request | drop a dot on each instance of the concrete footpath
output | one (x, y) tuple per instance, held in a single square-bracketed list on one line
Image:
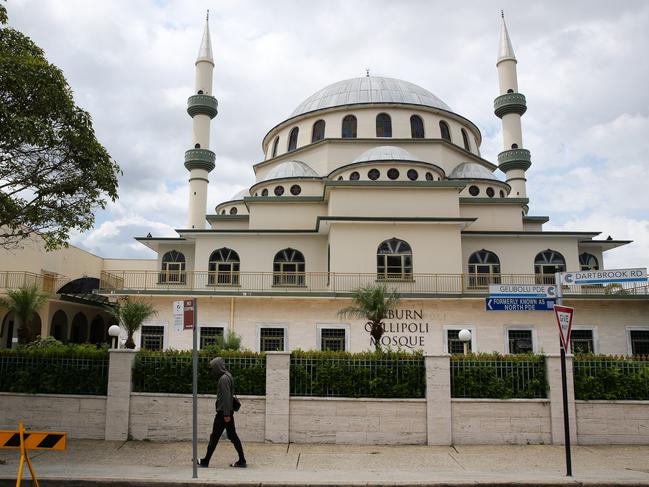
[(90, 462)]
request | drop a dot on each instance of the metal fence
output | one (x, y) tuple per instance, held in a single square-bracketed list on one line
[(498, 378), (171, 372), (611, 378), (53, 374), (390, 377)]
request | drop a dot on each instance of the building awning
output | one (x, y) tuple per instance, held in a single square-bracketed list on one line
[(83, 290)]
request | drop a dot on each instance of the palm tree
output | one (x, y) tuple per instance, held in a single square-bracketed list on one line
[(131, 315), (25, 303), (373, 304)]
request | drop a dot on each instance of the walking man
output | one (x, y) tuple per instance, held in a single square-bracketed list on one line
[(224, 418)]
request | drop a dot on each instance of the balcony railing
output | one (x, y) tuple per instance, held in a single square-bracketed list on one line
[(184, 282), (18, 279)]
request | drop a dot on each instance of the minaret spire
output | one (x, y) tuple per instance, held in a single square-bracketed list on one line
[(510, 106), (202, 107)]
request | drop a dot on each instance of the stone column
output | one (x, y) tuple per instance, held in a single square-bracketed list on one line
[(118, 399), (438, 400), (553, 368), (277, 396)]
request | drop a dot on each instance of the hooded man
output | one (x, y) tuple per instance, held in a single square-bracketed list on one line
[(224, 418)]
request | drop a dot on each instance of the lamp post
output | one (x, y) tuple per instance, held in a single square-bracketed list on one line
[(113, 332), (465, 337)]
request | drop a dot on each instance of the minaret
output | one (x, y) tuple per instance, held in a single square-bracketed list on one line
[(509, 106), (202, 107)]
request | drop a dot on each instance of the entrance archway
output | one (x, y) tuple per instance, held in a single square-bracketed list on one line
[(7, 331), (97, 330), (79, 329), (59, 326)]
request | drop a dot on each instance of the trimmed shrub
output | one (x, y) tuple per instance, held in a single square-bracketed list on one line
[(610, 378)]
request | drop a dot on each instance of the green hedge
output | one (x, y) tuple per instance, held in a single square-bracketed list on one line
[(56, 369), (343, 374), (498, 376), (610, 378), (171, 371)]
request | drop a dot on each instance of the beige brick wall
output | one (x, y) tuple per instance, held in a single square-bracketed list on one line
[(78, 416), (497, 422), (612, 422), (358, 421)]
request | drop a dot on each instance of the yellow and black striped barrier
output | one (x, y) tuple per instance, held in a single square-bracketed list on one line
[(32, 440)]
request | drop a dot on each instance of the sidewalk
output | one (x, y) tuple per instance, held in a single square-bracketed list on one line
[(94, 462)]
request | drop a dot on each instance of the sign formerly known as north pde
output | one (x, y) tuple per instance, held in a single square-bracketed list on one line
[(605, 276), (519, 304)]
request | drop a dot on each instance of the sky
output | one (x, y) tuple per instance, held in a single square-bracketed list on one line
[(582, 66)]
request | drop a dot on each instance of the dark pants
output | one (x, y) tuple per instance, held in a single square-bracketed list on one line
[(217, 430)]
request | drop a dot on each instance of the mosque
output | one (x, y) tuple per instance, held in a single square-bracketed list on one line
[(371, 180)]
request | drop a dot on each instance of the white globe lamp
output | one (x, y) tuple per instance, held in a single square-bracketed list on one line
[(465, 337), (113, 332)]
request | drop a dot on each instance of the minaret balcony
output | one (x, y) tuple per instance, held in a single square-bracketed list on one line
[(514, 159), (510, 103), (202, 104), (199, 159)]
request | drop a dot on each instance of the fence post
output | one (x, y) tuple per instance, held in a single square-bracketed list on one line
[(553, 371), (438, 400), (118, 398), (278, 366)]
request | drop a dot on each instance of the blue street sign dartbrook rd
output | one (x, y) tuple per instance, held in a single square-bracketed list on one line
[(519, 304)]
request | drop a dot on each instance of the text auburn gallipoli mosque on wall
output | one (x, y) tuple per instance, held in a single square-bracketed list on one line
[(369, 180)]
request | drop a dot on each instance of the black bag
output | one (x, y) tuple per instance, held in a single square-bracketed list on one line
[(236, 404)]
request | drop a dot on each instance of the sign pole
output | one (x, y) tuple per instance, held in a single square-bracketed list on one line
[(195, 391), (564, 386)]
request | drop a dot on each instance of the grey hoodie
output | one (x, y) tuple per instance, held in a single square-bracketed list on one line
[(224, 388)]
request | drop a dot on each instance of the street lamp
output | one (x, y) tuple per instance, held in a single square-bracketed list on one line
[(465, 337), (113, 331)]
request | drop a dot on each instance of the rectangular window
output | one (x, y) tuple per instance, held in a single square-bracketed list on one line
[(271, 339), (152, 337), (639, 342), (520, 341), (210, 335), (454, 344), (332, 339), (581, 341)]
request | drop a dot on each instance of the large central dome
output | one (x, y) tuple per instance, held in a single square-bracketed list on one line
[(369, 89)]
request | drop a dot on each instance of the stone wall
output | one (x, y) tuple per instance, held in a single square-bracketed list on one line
[(613, 422)]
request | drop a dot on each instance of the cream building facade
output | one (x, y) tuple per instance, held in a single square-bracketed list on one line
[(371, 180)]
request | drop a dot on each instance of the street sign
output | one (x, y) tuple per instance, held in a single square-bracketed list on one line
[(178, 311), (604, 277), (188, 314), (564, 320), (522, 290), (519, 304)]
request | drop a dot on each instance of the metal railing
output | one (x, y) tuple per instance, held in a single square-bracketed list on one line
[(20, 279), (331, 282), (498, 379), (611, 378), (390, 377)]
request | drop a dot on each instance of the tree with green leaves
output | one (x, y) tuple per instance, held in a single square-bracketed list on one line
[(53, 171), (373, 304), (131, 314), (25, 303)]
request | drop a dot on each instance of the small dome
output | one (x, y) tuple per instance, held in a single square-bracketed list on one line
[(291, 169), (240, 195), (386, 153), (471, 170)]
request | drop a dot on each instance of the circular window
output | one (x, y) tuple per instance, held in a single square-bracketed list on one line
[(264, 192), (514, 146), (295, 189), (474, 190), (502, 193), (393, 173), (429, 176), (490, 192), (413, 175), (374, 174), (279, 190), (233, 210), (354, 176)]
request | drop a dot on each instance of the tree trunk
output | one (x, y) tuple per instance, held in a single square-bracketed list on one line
[(129, 342), (23, 331)]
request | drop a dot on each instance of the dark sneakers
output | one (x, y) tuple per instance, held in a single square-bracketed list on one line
[(202, 463), (239, 464)]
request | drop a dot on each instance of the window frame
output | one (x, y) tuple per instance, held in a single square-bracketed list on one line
[(314, 137), (386, 125), (585, 266), (275, 145), (404, 274), (354, 128), (224, 277), (202, 326), (594, 335), (443, 124), (629, 342), (412, 127), (292, 139), (261, 326), (483, 279), (283, 278), (334, 326), (172, 276), (465, 140), (543, 277), (529, 328), (165, 333)]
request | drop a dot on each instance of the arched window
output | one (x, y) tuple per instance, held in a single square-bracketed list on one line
[(173, 268), (59, 327), (223, 268), (288, 268), (275, 143), (349, 127), (416, 127), (588, 262), (394, 260), (318, 131), (465, 139), (383, 125), (79, 329), (292, 139), (546, 264), (98, 330), (484, 268), (443, 128)]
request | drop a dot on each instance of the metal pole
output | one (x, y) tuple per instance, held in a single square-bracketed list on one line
[(195, 392), (564, 386)]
